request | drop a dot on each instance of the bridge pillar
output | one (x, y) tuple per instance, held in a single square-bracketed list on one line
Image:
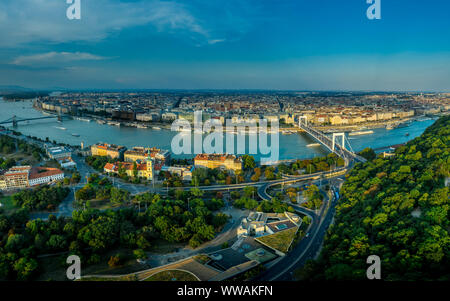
[(59, 115), (302, 118), (337, 135), (14, 121)]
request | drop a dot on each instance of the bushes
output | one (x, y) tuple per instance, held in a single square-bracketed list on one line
[(97, 162), (313, 196), (246, 203), (41, 198), (116, 260), (139, 254)]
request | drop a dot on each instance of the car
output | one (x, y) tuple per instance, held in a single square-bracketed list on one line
[(307, 235)]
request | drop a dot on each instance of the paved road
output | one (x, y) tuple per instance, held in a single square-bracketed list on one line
[(308, 247)]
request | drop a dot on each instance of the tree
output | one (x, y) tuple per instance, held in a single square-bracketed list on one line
[(116, 260), (139, 254), (368, 154), (101, 233), (25, 268), (135, 170), (249, 162), (119, 196)]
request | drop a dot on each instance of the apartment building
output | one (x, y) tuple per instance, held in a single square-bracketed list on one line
[(143, 170), (222, 161), (58, 152), (15, 178), (19, 177), (61, 154), (108, 150), (44, 175), (141, 154), (185, 172)]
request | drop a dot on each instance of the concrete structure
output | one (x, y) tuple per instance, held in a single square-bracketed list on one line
[(185, 172), (337, 135), (260, 224)]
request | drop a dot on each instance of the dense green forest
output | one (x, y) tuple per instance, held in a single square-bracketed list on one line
[(41, 198), (396, 208), (91, 233)]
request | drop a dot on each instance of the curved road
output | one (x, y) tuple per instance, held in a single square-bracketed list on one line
[(308, 247)]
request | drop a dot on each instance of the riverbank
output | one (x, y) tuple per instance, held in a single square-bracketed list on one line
[(291, 146), (283, 128)]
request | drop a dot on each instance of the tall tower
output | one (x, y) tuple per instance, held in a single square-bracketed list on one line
[(149, 163)]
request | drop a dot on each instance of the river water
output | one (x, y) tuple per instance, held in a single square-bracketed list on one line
[(291, 146)]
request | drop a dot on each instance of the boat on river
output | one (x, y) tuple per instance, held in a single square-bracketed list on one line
[(359, 133)]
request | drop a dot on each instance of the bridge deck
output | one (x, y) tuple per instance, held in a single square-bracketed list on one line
[(16, 120), (328, 143)]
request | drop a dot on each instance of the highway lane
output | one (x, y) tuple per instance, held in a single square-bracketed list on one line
[(312, 247), (308, 247)]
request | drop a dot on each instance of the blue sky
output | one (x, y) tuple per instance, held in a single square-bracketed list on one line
[(227, 44)]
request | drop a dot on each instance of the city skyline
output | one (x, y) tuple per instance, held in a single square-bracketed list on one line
[(290, 45)]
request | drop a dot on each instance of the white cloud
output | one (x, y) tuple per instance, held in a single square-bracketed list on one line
[(212, 42), (55, 58), (28, 21)]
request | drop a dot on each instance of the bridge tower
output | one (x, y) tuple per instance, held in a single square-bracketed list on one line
[(338, 135), (59, 115), (305, 118), (14, 121)]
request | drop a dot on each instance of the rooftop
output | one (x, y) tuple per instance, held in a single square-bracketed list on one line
[(41, 172), (217, 157)]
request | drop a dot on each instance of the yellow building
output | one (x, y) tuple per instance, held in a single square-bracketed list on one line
[(108, 150), (141, 154), (357, 119), (336, 120), (223, 161), (144, 170)]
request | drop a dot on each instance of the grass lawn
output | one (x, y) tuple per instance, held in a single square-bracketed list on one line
[(101, 204), (202, 258), (172, 275), (279, 241), (122, 278)]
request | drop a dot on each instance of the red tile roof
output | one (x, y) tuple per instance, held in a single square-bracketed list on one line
[(41, 172)]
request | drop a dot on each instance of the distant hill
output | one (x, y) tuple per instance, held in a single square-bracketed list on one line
[(13, 89)]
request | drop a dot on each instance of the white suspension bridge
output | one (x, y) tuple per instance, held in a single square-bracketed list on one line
[(331, 142)]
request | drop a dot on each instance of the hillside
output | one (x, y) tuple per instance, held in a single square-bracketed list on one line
[(395, 208)]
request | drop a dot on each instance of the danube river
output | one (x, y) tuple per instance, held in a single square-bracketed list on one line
[(291, 146)]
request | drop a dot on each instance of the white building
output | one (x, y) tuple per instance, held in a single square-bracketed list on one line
[(44, 175)]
